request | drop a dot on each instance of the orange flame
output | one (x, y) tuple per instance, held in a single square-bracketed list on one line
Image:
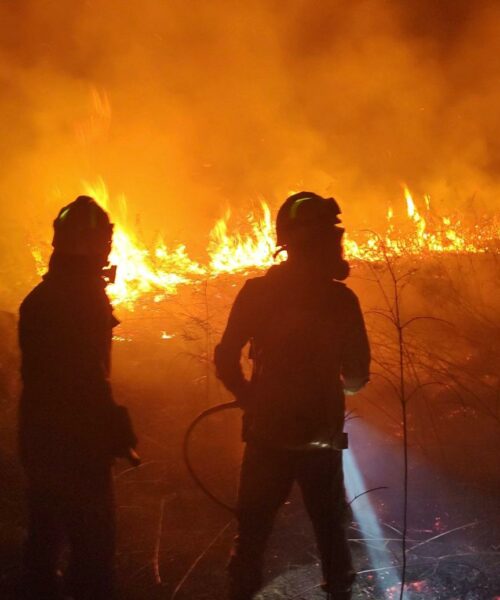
[(159, 271), (421, 236), (236, 252), (141, 270)]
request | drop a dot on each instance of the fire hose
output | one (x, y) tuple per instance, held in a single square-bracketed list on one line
[(185, 450)]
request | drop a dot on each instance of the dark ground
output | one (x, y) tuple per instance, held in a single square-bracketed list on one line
[(173, 543)]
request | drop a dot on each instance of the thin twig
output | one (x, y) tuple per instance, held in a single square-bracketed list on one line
[(197, 560), (380, 487), (440, 535), (156, 555)]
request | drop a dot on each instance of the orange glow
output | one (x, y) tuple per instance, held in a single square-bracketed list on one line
[(157, 272)]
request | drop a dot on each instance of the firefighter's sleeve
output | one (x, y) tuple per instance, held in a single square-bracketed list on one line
[(237, 333), (109, 425), (92, 351), (356, 351)]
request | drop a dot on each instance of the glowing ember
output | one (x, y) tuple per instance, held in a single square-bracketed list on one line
[(159, 271)]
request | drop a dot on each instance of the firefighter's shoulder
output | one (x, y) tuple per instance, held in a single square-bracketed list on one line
[(254, 285), (35, 299), (254, 295), (344, 292)]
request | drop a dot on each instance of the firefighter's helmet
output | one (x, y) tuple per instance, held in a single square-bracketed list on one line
[(83, 228), (303, 215), (307, 220)]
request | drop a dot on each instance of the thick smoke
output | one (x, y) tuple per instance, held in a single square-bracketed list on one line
[(187, 107)]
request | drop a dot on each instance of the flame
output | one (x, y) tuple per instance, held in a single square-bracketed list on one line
[(40, 263), (420, 236), (141, 270), (410, 205), (237, 252), (157, 272), (414, 215), (96, 126)]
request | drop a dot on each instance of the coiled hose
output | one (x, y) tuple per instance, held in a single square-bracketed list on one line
[(185, 450)]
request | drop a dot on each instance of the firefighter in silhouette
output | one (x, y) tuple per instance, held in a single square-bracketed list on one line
[(309, 349), (70, 429)]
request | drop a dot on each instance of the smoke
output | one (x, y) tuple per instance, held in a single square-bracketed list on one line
[(187, 107)]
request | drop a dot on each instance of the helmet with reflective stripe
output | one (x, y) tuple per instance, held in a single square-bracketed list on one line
[(82, 228), (307, 220), (303, 215)]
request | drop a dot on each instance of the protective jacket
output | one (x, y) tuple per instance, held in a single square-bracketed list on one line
[(307, 339), (68, 419)]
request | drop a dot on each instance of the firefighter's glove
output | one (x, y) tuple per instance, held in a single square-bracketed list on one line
[(123, 438)]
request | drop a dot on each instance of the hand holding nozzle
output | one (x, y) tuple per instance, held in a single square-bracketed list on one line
[(326, 440), (353, 385), (124, 439), (351, 391)]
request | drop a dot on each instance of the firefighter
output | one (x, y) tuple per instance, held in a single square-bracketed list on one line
[(309, 349), (70, 429)]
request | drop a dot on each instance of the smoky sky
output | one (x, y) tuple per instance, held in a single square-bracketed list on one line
[(189, 107)]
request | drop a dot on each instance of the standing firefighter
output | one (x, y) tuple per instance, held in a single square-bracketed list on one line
[(70, 429), (309, 348)]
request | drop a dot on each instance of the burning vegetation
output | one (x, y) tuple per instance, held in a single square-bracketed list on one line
[(155, 272)]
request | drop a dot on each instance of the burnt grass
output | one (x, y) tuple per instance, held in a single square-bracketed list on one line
[(173, 542)]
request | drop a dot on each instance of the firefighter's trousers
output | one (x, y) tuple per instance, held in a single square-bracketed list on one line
[(267, 476), (77, 512)]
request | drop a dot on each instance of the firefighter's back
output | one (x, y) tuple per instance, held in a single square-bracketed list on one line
[(299, 334)]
